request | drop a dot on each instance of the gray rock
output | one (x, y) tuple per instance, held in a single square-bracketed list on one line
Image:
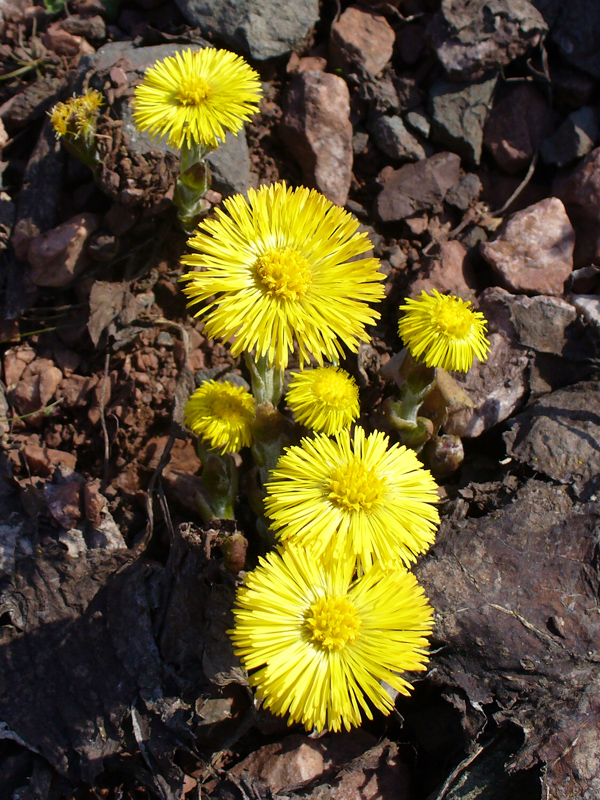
[(465, 191), (259, 28), (559, 435), (471, 37), (392, 138), (415, 187), (575, 29), (544, 324), (576, 137), (459, 111), (230, 164), (497, 388), (419, 122)]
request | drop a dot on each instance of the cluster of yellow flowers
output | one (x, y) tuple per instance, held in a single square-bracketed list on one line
[(76, 116), (333, 613)]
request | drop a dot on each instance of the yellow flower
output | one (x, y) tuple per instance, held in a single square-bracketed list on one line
[(324, 399), (443, 331), (77, 115), (221, 414), (353, 498), (196, 96), (321, 643), (280, 264)]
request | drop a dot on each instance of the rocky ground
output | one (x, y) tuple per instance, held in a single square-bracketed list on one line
[(464, 136)]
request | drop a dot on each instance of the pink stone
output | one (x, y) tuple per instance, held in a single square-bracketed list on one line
[(533, 253), (316, 127), (363, 38), (58, 256)]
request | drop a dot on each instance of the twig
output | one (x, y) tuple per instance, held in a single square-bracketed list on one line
[(519, 188), (103, 422)]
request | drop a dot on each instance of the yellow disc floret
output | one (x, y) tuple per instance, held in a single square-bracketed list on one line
[(284, 267), (222, 415), (443, 331), (353, 497), (196, 96), (324, 399), (319, 643)]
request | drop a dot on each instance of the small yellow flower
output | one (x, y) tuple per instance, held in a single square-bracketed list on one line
[(322, 643), (284, 266), (196, 96), (353, 498), (443, 331), (324, 399), (76, 116), (221, 414)]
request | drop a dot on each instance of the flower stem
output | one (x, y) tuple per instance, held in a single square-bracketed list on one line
[(402, 414), (191, 186), (219, 485), (267, 382)]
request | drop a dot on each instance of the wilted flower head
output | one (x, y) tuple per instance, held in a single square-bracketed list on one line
[(196, 96), (324, 399), (221, 414), (318, 643), (353, 498), (284, 268), (443, 331), (76, 116)]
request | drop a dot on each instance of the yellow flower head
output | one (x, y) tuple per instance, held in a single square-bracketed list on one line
[(321, 643), (221, 414), (443, 331), (324, 399), (77, 115), (353, 498), (280, 266), (196, 96)]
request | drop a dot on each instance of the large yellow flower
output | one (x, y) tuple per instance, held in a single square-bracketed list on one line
[(281, 265), (222, 415), (443, 331), (324, 399), (196, 96), (321, 643), (353, 498)]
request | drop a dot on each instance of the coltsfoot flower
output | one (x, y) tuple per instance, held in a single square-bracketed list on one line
[(324, 399), (76, 116), (279, 264), (443, 331), (320, 642), (353, 498), (221, 414), (196, 96)]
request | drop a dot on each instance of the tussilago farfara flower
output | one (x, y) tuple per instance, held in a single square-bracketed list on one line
[(221, 414), (280, 267), (353, 498), (321, 642), (196, 96), (324, 399), (443, 331), (77, 115)]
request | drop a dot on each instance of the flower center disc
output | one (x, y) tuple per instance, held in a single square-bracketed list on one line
[(228, 408), (332, 622), (355, 486), (284, 273), (455, 320), (333, 390), (193, 91)]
